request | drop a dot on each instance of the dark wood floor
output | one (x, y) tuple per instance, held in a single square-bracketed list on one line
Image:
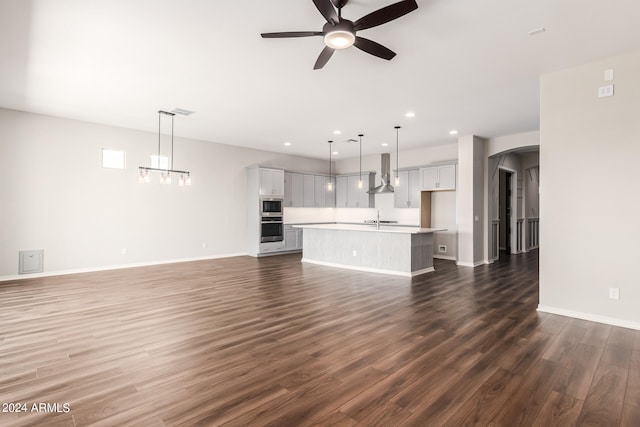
[(245, 341)]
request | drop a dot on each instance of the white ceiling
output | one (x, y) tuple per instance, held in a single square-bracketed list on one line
[(468, 65)]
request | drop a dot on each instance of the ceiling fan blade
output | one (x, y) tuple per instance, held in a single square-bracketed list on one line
[(324, 57), (290, 34), (327, 10), (386, 14), (373, 48)]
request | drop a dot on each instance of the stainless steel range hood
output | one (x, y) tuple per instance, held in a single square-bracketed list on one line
[(385, 175)]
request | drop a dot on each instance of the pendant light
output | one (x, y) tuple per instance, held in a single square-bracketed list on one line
[(330, 184), (360, 183), (165, 173), (397, 128)]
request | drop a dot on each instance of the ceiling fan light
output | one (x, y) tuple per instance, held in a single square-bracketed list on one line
[(339, 39)]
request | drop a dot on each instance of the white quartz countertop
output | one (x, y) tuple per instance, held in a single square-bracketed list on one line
[(372, 228)]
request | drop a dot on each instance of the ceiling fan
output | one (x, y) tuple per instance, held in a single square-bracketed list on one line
[(340, 33)]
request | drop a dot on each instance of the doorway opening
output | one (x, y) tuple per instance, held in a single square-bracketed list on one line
[(505, 210)]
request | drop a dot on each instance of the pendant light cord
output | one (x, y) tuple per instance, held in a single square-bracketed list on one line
[(159, 129), (360, 135), (172, 120), (397, 155), (330, 161)]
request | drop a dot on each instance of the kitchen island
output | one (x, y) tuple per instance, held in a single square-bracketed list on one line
[(398, 250)]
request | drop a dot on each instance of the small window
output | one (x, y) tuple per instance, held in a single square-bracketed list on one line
[(113, 159), (159, 162)]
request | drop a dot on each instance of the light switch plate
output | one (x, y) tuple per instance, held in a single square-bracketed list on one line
[(614, 293), (608, 75)]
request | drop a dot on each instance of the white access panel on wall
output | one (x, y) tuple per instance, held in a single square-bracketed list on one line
[(31, 261)]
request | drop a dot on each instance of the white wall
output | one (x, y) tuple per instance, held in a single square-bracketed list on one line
[(504, 144), (589, 197), (55, 195)]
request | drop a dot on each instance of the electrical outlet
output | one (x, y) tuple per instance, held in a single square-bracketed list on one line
[(442, 248), (204, 245), (605, 91), (614, 293), (355, 253), (123, 251)]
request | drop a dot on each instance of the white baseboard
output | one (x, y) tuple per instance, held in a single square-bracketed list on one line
[(445, 257), (472, 265), (370, 270), (115, 267), (591, 317)]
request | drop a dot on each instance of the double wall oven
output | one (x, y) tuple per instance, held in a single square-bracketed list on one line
[(271, 220)]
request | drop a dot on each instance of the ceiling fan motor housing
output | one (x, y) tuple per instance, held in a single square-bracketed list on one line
[(340, 35), (339, 4)]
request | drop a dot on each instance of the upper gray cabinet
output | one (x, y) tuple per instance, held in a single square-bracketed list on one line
[(350, 195), (271, 182), (308, 191), (341, 191), (438, 178), (293, 190), (309, 183), (407, 193)]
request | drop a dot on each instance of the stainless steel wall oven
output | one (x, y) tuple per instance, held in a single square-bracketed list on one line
[(271, 229)]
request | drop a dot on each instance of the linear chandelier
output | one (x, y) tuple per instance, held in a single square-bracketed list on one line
[(165, 173)]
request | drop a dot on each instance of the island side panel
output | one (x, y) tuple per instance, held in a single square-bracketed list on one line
[(421, 251), (374, 250)]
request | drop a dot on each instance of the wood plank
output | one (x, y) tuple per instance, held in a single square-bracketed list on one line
[(603, 405), (559, 410)]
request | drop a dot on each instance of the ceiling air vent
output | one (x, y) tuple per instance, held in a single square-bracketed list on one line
[(182, 111)]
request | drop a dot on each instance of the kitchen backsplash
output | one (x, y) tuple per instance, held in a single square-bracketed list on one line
[(384, 204)]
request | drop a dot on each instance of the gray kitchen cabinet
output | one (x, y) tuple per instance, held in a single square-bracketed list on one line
[(308, 191), (438, 178), (287, 190), (349, 195), (330, 195), (407, 193), (271, 182), (292, 238), (342, 183), (293, 190), (319, 191)]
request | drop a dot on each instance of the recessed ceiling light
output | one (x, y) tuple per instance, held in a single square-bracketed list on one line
[(384, 144), (335, 153), (410, 114), (453, 132), (287, 144), (337, 132), (536, 31)]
